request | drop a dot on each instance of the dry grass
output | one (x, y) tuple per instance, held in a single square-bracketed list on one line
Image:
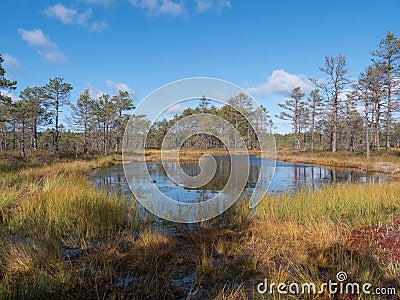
[(378, 162), (183, 155), (348, 205), (232, 293), (304, 237), (46, 211), (62, 238)]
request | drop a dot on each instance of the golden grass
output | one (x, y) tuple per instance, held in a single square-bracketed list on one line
[(378, 162), (49, 210), (348, 205), (303, 237), (57, 200), (184, 154), (45, 210), (232, 293)]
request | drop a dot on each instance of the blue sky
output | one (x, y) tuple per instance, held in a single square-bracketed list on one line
[(266, 47)]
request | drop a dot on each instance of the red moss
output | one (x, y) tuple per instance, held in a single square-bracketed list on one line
[(383, 241)]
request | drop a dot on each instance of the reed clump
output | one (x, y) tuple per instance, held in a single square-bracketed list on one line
[(348, 205)]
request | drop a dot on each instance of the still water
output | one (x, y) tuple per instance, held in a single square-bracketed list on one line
[(288, 177)]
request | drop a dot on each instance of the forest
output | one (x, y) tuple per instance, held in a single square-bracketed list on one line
[(339, 113)]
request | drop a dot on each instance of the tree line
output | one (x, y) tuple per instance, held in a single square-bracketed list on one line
[(239, 112), (339, 113), (98, 123)]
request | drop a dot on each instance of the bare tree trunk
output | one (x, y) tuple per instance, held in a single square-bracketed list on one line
[(23, 138), (296, 138), (334, 125), (14, 135), (312, 130), (296, 126), (389, 112), (367, 127), (85, 136), (3, 142), (5, 137), (35, 137), (377, 145), (57, 153), (104, 139)]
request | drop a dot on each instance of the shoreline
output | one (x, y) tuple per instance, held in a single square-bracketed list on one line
[(376, 164), (388, 164)]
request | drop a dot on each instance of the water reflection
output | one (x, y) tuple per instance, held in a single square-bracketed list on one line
[(289, 177)]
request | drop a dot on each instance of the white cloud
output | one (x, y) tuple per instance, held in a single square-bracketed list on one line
[(46, 49), (282, 126), (343, 95), (97, 2), (171, 111), (68, 15), (98, 26), (94, 92), (280, 82), (207, 5), (174, 109), (12, 62), (36, 38), (161, 7), (71, 16), (116, 87), (218, 95), (55, 57), (9, 94), (203, 5), (224, 4)]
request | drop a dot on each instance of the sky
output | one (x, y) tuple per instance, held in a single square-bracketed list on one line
[(266, 47)]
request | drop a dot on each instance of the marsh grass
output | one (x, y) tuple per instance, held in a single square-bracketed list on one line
[(304, 237), (57, 201), (232, 293), (382, 161), (188, 154), (348, 205), (62, 238), (46, 210)]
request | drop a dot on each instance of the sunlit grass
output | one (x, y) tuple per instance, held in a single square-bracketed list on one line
[(349, 205), (44, 210), (62, 237), (58, 200), (67, 206), (378, 162)]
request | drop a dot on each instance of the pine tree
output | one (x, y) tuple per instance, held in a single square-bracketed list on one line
[(122, 103), (388, 57), (315, 105), (104, 112), (34, 97), (5, 84), (57, 94), (5, 102), (21, 114), (82, 113), (293, 109)]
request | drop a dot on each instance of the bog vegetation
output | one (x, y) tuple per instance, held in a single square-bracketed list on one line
[(63, 238)]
